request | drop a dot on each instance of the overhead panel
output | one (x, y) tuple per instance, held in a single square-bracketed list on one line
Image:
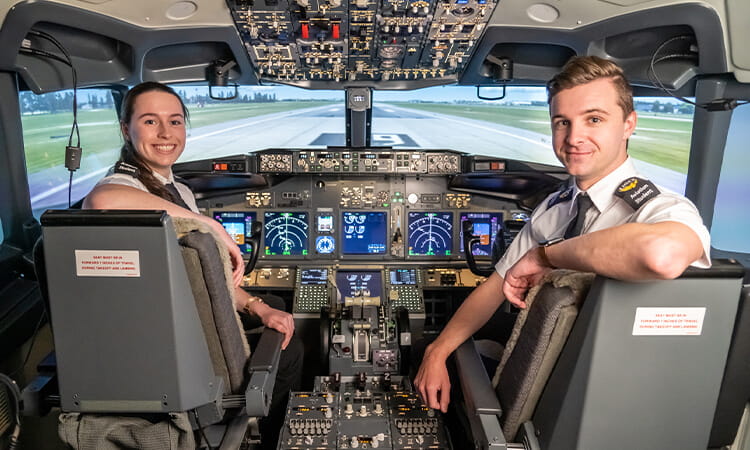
[(301, 41)]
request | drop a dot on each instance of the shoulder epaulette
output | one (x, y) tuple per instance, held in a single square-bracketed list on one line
[(127, 169), (562, 196), (637, 191)]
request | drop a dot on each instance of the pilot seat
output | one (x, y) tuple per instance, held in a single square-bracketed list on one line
[(149, 350)]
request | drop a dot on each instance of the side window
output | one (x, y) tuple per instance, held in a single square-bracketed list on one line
[(660, 146), (731, 214), (47, 120)]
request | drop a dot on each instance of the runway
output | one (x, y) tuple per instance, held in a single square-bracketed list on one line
[(392, 126)]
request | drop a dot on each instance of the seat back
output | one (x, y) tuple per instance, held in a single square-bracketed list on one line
[(538, 337), (122, 312), (207, 265), (735, 386), (643, 364)]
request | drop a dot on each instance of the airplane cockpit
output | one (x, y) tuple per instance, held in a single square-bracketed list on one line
[(372, 160)]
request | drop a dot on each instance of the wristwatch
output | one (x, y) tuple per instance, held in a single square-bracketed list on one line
[(543, 252), (251, 300)]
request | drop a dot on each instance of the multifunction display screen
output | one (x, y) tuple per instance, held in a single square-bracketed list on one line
[(356, 283), (486, 226), (313, 276), (239, 226), (402, 276)]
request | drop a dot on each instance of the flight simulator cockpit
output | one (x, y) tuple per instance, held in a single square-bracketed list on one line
[(367, 247)]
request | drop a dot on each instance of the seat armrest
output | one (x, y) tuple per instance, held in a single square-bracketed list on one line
[(475, 383), (262, 369), (482, 406)]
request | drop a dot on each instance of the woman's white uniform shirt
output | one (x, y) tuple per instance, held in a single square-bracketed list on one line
[(129, 180)]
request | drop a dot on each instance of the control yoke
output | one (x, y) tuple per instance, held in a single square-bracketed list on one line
[(254, 242), (470, 240)]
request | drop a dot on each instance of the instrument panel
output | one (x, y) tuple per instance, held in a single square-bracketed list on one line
[(347, 206)]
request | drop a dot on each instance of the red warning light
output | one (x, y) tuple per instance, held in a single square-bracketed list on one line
[(305, 31)]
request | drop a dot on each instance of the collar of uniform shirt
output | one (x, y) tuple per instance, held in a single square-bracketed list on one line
[(601, 192), (163, 179)]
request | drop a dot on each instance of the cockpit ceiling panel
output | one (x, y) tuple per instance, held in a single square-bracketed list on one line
[(300, 41)]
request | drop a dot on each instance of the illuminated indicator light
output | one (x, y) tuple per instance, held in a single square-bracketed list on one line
[(336, 31), (224, 167), (305, 31)]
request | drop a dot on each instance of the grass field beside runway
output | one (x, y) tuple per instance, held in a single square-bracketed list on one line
[(659, 140), (46, 135)]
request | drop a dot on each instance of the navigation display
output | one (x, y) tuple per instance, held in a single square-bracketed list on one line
[(486, 226), (313, 276), (367, 283), (239, 225), (364, 233), (430, 233), (403, 276), (285, 233)]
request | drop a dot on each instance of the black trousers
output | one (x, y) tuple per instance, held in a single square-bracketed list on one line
[(288, 377)]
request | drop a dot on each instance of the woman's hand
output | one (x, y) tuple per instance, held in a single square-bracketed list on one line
[(280, 321)]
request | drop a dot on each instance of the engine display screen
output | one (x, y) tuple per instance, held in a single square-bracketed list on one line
[(430, 233), (364, 233), (286, 233), (486, 226), (355, 283), (313, 276), (239, 226)]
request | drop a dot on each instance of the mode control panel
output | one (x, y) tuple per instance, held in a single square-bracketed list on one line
[(345, 161)]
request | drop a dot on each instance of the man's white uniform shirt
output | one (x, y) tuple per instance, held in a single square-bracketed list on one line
[(552, 217)]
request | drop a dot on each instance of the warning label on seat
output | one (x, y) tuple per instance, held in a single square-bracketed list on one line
[(668, 321), (108, 263)]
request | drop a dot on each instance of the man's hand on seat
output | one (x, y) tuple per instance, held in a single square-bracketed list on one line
[(523, 275), (432, 381), (278, 320)]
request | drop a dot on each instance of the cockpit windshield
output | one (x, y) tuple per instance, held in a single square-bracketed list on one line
[(262, 117)]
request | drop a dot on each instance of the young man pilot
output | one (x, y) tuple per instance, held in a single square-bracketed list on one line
[(609, 221)]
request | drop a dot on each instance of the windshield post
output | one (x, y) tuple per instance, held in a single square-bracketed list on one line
[(358, 117)]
